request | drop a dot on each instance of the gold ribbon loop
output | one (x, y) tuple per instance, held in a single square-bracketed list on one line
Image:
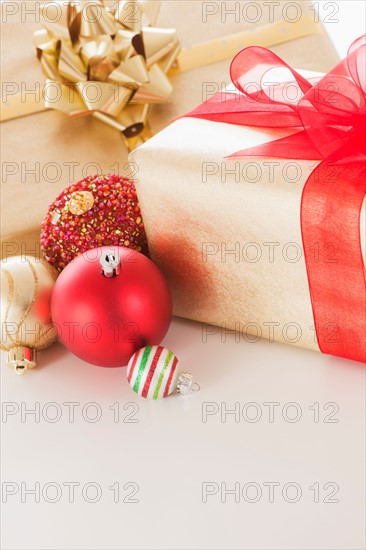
[(70, 66), (132, 70), (64, 98), (100, 58), (96, 20), (158, 43), (157, 90)]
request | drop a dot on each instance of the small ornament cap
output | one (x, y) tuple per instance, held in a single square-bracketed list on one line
[(185, 383), (110, 263), (21, 359)]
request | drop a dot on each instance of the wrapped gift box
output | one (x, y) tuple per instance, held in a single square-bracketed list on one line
[(44, 152), (227, 232)]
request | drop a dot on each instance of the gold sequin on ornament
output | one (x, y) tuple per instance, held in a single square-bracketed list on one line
[(81, 202)]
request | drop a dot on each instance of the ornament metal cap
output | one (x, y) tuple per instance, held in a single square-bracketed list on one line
[(22, 359), (110, 263), (185, 383)]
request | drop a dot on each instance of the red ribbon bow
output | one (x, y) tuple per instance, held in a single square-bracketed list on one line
[(332, 114)]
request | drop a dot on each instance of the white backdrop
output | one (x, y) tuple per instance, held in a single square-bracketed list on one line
[(344, 21), (94, 467)]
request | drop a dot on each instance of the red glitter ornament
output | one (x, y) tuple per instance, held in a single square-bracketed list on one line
[(96, 211)]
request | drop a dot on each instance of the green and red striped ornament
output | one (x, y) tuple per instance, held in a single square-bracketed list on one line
[(152, 372)]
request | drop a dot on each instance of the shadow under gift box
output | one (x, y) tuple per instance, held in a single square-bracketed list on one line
[(227, 232)]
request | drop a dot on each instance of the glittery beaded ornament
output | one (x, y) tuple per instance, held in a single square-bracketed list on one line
[(96, 211)]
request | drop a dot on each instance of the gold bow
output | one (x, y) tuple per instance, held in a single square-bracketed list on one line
[(110, 63)]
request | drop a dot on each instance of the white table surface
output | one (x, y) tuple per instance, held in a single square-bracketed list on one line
[(180, 463)]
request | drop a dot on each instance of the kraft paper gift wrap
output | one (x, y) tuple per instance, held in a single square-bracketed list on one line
[(45, 152), (227, 232)]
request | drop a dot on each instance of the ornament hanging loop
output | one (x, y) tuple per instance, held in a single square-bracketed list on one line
[(110, 263), (21, 359), (185, 383), (20, 369)]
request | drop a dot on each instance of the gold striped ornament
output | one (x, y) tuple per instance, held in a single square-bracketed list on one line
[(26, 288)]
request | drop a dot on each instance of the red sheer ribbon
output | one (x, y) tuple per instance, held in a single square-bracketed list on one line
[(331, 115)]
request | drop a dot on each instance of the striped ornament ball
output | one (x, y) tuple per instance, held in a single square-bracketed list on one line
[(152, 372)]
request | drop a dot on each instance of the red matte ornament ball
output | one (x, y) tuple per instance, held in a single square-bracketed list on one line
[(103, 318), (96, 211)]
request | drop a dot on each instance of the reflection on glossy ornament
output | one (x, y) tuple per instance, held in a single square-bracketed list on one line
[(109, 302)]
